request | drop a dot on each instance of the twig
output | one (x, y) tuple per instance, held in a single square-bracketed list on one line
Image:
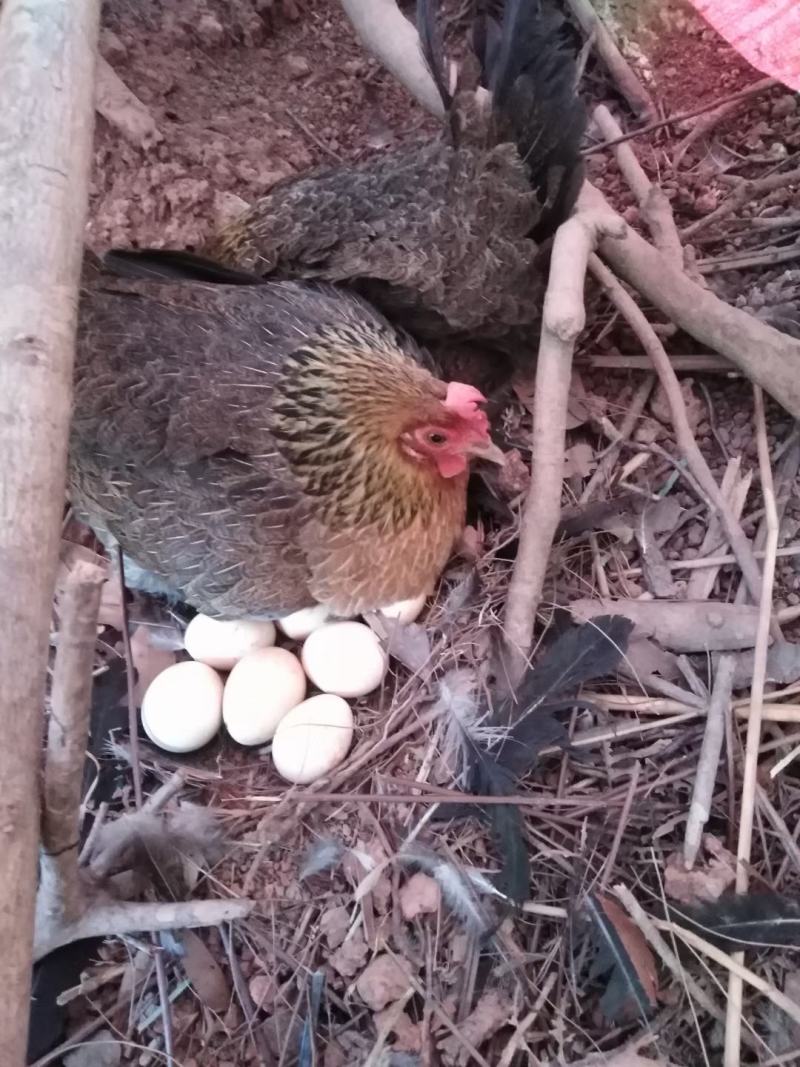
[(653, 202), (632, 416), (133, 720), (336, 157), (735, 489), (741, 261), (563, 319), (622, 822), (123, 109), (626, 305), (767, 356), (744, 192), (683, 364), (113, 918), (750, 772), (136, 773), (59, 897), (619, 68), (708, 761), (517, 1039), (681, 116), (387, 1025), (713, 117)]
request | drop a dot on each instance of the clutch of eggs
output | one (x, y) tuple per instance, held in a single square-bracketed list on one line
[(264, 696)]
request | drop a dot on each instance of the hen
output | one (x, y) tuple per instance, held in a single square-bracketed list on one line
[(441, 236), (256, 450)]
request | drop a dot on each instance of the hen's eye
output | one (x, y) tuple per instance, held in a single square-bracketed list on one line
[(436, 438)]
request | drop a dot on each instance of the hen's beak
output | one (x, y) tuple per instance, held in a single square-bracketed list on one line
[(490, 452)]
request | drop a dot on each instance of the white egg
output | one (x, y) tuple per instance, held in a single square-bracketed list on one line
[(405, 611), (259, 691), (300, 624), (312, 738), (182, 708), (221, 643), (345, 658)]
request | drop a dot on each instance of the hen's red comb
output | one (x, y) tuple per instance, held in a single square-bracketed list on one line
[(463, 399)]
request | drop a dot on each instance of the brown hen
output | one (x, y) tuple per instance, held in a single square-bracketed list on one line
[(256, 450)]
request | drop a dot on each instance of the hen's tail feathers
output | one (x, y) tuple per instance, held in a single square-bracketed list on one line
[(165, 264), (532, 74)]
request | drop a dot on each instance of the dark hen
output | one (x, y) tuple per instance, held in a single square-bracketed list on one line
[(259, 449), (442, 236)]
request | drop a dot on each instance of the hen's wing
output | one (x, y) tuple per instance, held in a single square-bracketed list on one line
[(170, 453), (438, 238)]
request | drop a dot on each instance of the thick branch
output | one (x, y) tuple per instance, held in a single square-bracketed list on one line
[(564, 318), (67, 734), (47, 56), (653, 202)]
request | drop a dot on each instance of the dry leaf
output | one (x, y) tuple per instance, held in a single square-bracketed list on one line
[(207, 977), (382, 981), (263, 989), (148, 659), (655, 568), (409, 643), (419, 896), (579, 460), (704, 882)]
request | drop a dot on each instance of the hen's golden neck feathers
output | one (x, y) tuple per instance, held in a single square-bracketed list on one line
[(346, 398)]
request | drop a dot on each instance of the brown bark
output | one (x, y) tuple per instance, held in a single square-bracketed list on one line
[(60, 893), (47, 54)]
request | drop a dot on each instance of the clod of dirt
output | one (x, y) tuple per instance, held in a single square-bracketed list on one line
[(419, 896), (382, 981)]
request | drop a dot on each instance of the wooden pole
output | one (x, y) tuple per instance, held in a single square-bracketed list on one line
[(47, 61)]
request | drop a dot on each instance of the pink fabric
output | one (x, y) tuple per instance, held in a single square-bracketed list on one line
[(765, 32)]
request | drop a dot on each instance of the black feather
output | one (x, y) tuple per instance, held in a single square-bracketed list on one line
[(532, 74), (735, 922), (433, 49), (168, 265), (502, 745)]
